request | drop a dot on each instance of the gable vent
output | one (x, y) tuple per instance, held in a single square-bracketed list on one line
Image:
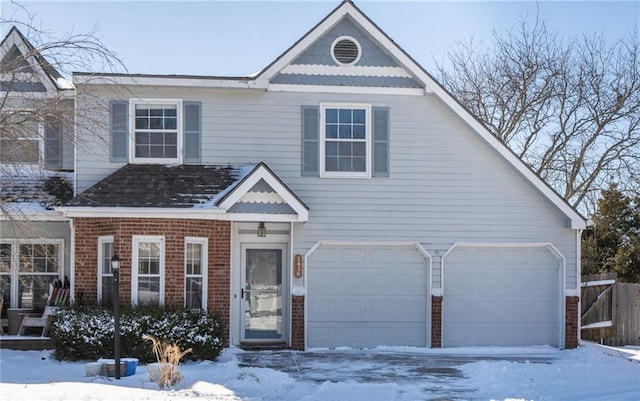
[(346, 51)]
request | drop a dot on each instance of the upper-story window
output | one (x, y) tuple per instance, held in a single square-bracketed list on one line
[(157, 131), (345, 135), (20, 139)]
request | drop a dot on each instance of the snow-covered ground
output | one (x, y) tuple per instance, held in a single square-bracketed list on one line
[(587, 373)]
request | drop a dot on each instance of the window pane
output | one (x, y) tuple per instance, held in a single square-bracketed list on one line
[(359, 164), (331, 164), (331, 116), (142, 123), (156, 138), (5, 286), (156, 111), (345, 132), (194, 292), (344, 149), (5, 258), (171, 139), (171, 111), (142, 110), (156, 123), (345, 116), (359, 149), (107, 290), (331, 131), (359, 132), (149, 291), (359, 116), (33, 291), (331, 149), (171, 123), (107, 251)]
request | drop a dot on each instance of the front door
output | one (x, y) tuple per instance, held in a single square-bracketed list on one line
[(262, 293)]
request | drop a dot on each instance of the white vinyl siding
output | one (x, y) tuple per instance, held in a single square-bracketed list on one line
[(445, 184), (147, 270)]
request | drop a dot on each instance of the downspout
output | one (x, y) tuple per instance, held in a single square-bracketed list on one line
[(579, 279), (72, 260)]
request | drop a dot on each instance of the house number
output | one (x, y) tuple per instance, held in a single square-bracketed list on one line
[(297, 266)]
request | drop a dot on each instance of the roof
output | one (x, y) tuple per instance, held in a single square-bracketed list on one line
[(234, 192), (156, 185), (27, 189), (29, 50)]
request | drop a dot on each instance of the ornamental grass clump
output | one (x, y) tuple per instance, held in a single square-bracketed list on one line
[(168, 356)]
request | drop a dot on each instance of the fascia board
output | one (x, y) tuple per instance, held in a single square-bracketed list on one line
[(262, 173), (142, 212), (195, 82)]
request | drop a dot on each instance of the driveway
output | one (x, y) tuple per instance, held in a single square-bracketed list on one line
[(439, 373)]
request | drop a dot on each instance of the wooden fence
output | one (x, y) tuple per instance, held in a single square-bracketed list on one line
[(610, 311)]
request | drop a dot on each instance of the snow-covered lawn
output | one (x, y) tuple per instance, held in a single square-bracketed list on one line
[(586, 373)]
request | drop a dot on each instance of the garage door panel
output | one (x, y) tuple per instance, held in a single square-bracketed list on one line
[(367, 296), (501, 296), (359, 336)]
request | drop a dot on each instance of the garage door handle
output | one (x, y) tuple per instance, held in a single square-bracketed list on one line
[(242, 293)]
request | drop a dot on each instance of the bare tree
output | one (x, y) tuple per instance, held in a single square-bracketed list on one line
[(569, 108), (37, 132)]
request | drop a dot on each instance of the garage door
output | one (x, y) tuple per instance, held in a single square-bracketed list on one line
[(501, 296), (365, 296)]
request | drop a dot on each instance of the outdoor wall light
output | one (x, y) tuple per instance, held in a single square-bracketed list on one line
[(262, 230)]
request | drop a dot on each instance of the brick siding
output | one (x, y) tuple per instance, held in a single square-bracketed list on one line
[(87, 231), (572, 314), (436, 322), (297, 322)]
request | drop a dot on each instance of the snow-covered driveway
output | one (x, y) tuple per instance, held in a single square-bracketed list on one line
[(383, 374)]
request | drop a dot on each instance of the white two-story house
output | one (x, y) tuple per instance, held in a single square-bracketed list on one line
[(340, 197)]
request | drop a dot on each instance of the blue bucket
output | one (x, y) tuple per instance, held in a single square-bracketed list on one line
[(130, 365)]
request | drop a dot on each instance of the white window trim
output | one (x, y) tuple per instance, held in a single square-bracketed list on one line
[(132, 130), (368, 133), (101, 241), (14, 272), (135, 241), (204, 267)]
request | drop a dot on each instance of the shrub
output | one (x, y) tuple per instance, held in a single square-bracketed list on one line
[(168, 356), (86, 332)]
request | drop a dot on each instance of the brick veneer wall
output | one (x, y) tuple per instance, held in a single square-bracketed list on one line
[(297, 322), (572, 314), (436, 322), (87, 231)]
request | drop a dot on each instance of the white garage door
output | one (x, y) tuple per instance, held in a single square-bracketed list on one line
[(501, 296), (365, 296)]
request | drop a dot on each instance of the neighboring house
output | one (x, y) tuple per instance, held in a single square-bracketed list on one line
[(36, 173), (340, 197)]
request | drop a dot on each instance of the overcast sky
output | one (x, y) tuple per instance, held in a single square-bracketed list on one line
[(241, 37)]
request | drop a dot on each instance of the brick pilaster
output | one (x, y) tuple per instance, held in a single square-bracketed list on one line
[(297, 322), (572, 314), (436, 322)]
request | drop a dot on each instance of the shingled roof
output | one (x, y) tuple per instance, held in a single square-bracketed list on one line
[(161, 186)]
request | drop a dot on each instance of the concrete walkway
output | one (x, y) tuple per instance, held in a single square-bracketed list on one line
[(439, 373)]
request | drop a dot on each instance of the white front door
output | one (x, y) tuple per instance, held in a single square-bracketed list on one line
[(263, 292)]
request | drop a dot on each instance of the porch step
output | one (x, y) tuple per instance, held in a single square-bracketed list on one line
[(25, 343), (265, 347)]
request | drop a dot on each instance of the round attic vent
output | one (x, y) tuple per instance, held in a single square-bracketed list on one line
[(345, 50)]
